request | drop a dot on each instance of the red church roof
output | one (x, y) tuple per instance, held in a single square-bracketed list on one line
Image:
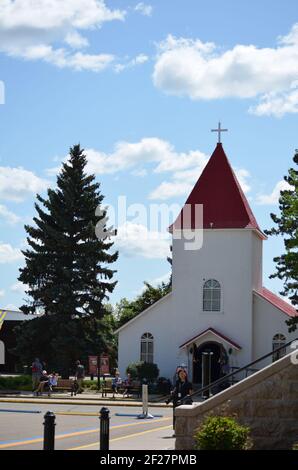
[(279, 303), (218, 190)]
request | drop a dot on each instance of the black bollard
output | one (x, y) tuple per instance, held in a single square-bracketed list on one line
[(49, 431), (104, 435)]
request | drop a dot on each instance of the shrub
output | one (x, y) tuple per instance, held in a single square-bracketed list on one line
[(222, 433), (143, 370), (295, 447), (20, 383)]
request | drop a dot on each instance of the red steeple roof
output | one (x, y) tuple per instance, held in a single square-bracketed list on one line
[(218, 190)]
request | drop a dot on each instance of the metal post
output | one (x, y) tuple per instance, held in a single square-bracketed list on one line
[(175, 404), (104, 435), (209, 378), (204, 373), (49, 431)]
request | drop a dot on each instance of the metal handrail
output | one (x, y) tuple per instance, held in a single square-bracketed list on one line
[(232, 374)]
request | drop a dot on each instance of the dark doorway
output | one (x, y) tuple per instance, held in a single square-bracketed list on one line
[(213, 347)]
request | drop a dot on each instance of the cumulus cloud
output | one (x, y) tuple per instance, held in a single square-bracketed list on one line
[(277, 104), (273, 197), (8, 216), (31, 29), (128, 155), (8, 254), (189, 67), (19, 288), (144, 9), (17, 183), (136, 240), (184, 168)]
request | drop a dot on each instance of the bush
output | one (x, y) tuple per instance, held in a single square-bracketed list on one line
[(143, 370), (222, 433), (295, 447), (20, 383)]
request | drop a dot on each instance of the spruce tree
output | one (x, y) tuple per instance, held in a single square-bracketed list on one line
[(287, 226), (66, 266)]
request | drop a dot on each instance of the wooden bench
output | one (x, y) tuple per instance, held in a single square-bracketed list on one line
[(106, 388), (68, 385)]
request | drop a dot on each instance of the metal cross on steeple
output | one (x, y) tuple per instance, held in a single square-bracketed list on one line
[(219, 131)]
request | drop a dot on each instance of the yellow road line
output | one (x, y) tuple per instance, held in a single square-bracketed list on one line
[(74, 434), (123, 437)]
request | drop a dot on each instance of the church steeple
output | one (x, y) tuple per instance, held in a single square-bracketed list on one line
[(218, 190)]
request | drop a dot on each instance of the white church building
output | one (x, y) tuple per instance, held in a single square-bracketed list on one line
[(218, 302)]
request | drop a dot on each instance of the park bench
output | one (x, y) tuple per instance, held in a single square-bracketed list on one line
[(106, 388), (68, 385)]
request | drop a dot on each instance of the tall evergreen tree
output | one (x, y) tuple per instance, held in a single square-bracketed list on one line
[(67, 267), (287, 226)]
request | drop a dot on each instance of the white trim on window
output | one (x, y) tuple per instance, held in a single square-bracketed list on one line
[(212, 296), (147, 348)]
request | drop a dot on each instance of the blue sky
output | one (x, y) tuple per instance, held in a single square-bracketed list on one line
[(140, 85)]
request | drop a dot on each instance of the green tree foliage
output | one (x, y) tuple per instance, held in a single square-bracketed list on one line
[(67, 271), (287, 226), (143, 370), (125, 310)]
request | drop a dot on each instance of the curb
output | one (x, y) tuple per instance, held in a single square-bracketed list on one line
[(55, 401)]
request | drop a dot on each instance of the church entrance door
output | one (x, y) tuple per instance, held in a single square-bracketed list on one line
[(210, 346)]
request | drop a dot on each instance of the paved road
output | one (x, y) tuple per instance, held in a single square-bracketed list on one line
[(76, 430)]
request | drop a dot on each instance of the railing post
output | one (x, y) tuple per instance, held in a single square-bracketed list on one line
[(49, 431), (104, 435)]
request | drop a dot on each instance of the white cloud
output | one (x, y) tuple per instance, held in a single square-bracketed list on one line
[(2, 293), (138, 60), (19, 287), (8, 216), (8, 254), (136, 240), (144, 9), (17, 183), (188, 67), (30, 28), (272, 198), (277, 104), (149, 150), (76, 40), (184, 167)]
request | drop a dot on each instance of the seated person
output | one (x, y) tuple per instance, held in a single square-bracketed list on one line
[(53, 380), (44, 379), (127, 385), (116, 383)]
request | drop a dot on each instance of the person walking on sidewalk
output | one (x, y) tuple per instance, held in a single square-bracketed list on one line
[(36, 373), (80, 375)]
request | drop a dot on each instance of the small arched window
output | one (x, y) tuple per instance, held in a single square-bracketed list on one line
[(278, 341), (211, 296), (147, 341)]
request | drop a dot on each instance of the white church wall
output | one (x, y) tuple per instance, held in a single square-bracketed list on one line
[(268, 321), (156, 320), (257, 261), (226, 256)]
